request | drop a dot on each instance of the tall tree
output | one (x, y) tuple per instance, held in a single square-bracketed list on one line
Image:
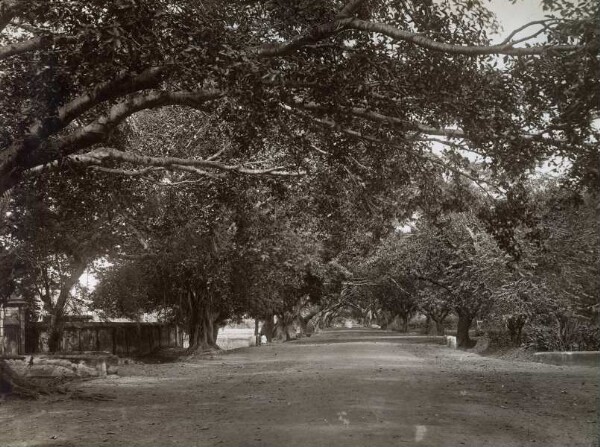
[(58, 226)]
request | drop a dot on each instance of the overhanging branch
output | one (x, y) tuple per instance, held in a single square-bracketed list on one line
[(344, 23), (313, 35), (124, 83), (97, 131), (310, 37), (97, 157), (386, 119), (467, 50), (35, 43), (420, 128), (430, 158)]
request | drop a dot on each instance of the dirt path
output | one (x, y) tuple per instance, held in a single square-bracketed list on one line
[(341, 387)]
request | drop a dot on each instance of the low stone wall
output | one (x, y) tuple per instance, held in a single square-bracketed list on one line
[(581, 358), (232, 338), (435, 339), (123, 339)]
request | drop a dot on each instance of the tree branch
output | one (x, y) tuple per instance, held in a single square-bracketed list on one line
[(123, 84), (35, 43), (344, 22), (431, 158), (131, 173), (195, 170), (217, 154), (418, 127), (380, 118), (350, 8), (544, 23), (98, 156), (468, 50), (152, 169), (314, 35), (98, 130), (29, 28), (434, 282), (28, 153), (179, 183)]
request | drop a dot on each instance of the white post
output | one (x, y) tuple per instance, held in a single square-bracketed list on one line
[(1, 329)]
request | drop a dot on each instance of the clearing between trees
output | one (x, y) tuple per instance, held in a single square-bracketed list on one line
[(339, 387)]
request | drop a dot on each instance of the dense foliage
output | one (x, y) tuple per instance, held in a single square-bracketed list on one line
[(543, 292), (250, 158), (369, 83)]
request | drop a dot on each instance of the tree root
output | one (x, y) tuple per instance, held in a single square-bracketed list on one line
[(202, 350)]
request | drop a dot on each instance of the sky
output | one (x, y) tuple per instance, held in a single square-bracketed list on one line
[(511, 16)]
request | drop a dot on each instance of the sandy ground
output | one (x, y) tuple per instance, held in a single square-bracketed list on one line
[(341, 387)]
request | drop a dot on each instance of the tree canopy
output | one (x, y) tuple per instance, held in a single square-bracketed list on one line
[(299, 85)]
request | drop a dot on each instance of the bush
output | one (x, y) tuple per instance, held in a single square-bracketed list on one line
[(588, 338), (498, 338), (417, 325), (572, 336)]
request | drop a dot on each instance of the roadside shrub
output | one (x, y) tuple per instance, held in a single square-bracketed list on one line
[(498, 338), (570, 335), (479, 330), (417, 325)]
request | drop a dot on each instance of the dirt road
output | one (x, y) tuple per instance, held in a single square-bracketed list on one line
[(341, 387)]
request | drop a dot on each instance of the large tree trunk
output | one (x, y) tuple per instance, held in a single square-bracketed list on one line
[(268, 328), (404, 318), (215, 334), (364, 318), (308, 329), (202, 328), (218, 321), (439, 326), (286, 325), (57, 317), (201, 335), (256, 332), (323, 319), (384, 319), (55, 333), (427, 328), (438, 316), (328, 320), (515, 329), (462, 332)]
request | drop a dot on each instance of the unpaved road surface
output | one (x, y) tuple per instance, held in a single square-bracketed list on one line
[(339, 388)]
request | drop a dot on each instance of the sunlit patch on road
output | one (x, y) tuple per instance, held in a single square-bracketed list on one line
[(420, 431)]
